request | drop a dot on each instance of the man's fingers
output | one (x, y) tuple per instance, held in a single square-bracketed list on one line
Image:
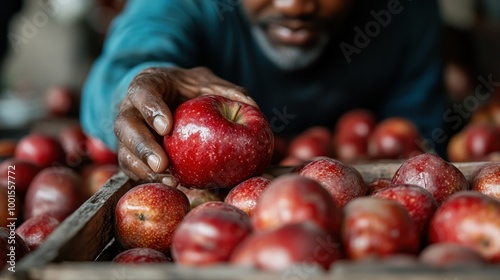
[(147, 93), (134, 135), (133, 166), (232, 92)]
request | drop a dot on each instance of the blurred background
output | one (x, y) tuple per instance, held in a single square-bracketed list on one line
[(48, 46)]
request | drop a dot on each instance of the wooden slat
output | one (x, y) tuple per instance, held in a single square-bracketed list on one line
[(340, 271)]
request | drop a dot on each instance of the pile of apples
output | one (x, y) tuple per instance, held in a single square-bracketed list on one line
[(321, 212), (356, 137), (49, 176), (480, 138)]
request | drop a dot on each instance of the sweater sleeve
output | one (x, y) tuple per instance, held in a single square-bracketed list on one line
[(153, 33), (417, 92)]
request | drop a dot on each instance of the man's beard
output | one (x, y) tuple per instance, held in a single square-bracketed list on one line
[(290, 58)]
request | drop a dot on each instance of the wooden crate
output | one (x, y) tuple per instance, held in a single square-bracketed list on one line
[(81, 245)]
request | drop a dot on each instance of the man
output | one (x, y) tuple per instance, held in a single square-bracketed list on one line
[(304, 62)]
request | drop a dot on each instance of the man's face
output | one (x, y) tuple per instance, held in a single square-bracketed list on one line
[(293, 33)]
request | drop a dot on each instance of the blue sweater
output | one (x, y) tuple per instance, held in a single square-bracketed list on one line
[(390, 66)]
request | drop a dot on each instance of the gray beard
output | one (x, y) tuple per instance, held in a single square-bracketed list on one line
[(289, 58)]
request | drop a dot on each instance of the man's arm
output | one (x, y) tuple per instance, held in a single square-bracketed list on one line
[(147, 34)]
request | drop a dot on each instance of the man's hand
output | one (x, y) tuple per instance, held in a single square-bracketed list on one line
[(145, 117)]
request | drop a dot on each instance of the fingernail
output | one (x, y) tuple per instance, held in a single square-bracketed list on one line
[(160, 124), (170, 181), (154, 162)]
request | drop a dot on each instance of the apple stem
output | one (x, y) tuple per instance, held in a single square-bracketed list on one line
[(235, 112)]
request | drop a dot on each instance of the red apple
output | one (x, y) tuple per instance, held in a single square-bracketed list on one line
[(246, 194), (140, 255), (147, 216), (218, 143), (419, 203), (40, 149), (352, 133), (456, 148), (74, 143), (374, 227), (394, 138), (342, 181), (36, 229), (10, 207), (486, 180), (60, 101), (209, 233), (12, 248), (449, 254), (57, 191), (378, 184), (311, 143), (197, 197), (292, 198), (290, 245), (99, 153), (98, 176), (21, 174), (471, 219), (480, 140), (432, 173)]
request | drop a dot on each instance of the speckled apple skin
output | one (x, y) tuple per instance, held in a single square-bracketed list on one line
[(342, 181), (147, 216), (432, 173), (486, 180), (292, 198), (35, 230), (140, 255), (207, 150), (245, 195), (291, 244), (378, 184), (209, 234), (375, 227), (471, 219), (419, 203)]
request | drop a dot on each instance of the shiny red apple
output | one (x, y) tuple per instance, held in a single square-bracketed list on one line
[(470, 219), (291, 245), (97, 177), (311, 143), (432, 173), (292, 198), (147, 216), (394, 138), (352, 132), (419, 203), (480, 140), (74, 142), (209, 233), (374, 227), (246, 194), (57, 191), (42, 150), (218, 143), (342, 181), (486, 179), (36, 229)]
